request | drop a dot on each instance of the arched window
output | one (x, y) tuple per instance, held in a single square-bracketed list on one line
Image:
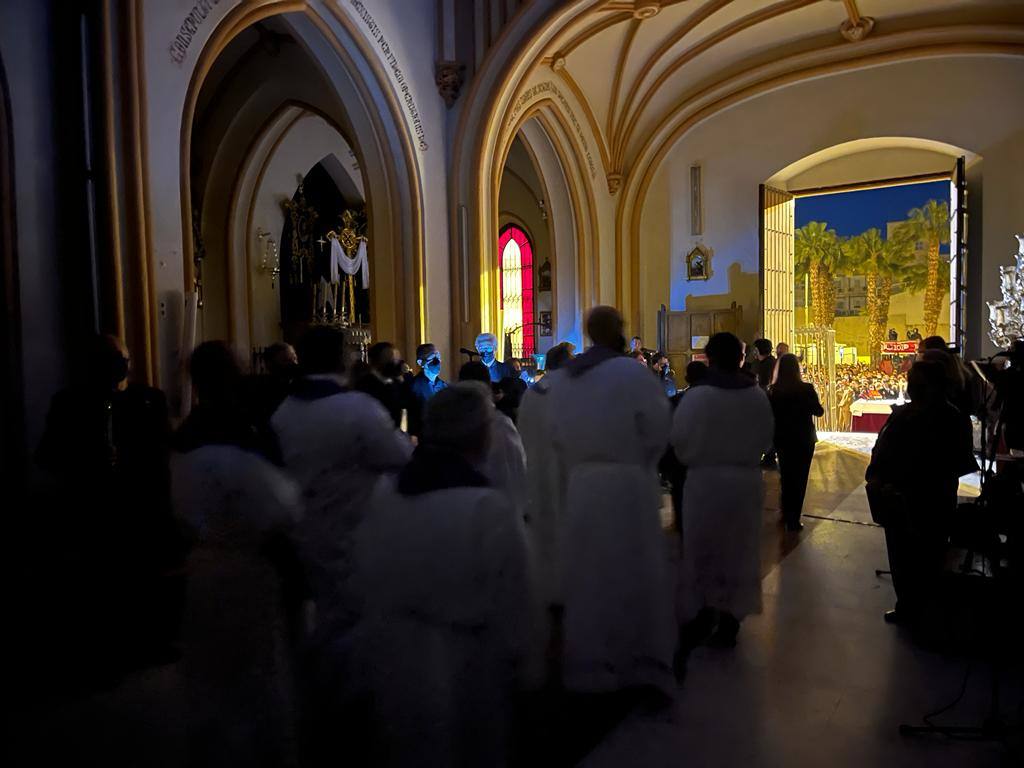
[(515, 258)]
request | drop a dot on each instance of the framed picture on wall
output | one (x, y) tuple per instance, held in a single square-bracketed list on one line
[(698, 263), (544, 318), (544, 277)]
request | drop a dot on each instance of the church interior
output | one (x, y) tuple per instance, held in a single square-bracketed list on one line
[(443, 184)]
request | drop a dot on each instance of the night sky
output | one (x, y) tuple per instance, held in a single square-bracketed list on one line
[(850, 213)]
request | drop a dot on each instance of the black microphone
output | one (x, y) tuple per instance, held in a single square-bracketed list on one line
[(471, 352)]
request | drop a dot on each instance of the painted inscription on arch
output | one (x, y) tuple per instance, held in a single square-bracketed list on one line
[(189, 26), (377, 35), (548, 87)]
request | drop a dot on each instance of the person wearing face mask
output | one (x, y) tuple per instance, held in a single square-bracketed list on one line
[(428, 381), (424, 385), (487, 345), (383, 380)]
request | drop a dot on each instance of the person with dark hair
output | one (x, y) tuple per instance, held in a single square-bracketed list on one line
[(719, 432), (383, 379), (638, 351), (243, 578), (663, 370), (670, 468), (970, 392), (424, 385), (428, 381), (321, 352), (763, 369), (558, 356), (923, 450), (607, 420), (264, 392), (764, 363), (335, 444), (696, 372), (110, 532), (219, 415), (510, 396), (104, 428), (444, 639), (505, 465), (794, 404)]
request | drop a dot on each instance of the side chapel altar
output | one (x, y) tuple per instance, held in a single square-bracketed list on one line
[(325, 269)]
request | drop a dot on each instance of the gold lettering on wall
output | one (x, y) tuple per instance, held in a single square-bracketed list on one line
[(547, 87)]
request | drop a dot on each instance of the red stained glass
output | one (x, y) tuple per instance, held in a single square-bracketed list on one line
[(515, 259)]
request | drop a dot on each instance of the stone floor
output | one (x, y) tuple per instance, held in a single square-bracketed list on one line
[(818, 679)]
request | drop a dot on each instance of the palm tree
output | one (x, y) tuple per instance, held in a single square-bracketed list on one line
[(898, 264), (930, 224), (865, 254), (817, 252)]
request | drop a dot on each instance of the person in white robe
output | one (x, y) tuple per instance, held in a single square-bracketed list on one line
[(608, 421), (335, 443), (543, 504), (442, 562), (241, 512), (505, 465), (720, 430)]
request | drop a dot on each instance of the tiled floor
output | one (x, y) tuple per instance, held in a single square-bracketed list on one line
[(818, 679)]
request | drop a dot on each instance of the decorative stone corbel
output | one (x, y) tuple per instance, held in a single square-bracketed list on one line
[(614, 182), (646, 9), (449, 76), (855, 31)]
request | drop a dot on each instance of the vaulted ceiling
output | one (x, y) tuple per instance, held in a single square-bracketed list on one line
[(640, 67)]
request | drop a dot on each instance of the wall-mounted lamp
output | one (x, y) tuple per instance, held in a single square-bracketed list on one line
[(270, 259)]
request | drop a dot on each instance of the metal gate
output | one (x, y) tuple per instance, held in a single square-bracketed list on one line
[(816, 349)]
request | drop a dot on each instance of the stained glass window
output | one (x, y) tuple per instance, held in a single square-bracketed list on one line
[(515, 258)]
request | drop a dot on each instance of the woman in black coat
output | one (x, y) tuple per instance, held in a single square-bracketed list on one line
[(794, 403)]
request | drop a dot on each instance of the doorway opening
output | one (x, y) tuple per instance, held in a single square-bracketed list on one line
[(855, 276)]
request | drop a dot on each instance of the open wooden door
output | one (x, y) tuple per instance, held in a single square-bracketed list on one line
[(778, 233), (958, 255), (686, 333)]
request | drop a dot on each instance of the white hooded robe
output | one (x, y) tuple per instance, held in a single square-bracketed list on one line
[(235, 657), (719, 434), (609, 426), (336, 448), (443, 640)]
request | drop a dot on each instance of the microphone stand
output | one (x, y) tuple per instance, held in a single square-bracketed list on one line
[(508, 337)]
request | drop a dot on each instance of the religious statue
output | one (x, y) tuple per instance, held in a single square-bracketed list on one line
[(348, 257), (1006, 316)]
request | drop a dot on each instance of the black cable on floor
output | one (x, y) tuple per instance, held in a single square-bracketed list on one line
[(842, 520), (963, 689)]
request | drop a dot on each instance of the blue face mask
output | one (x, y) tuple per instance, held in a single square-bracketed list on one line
[(487, 355)]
